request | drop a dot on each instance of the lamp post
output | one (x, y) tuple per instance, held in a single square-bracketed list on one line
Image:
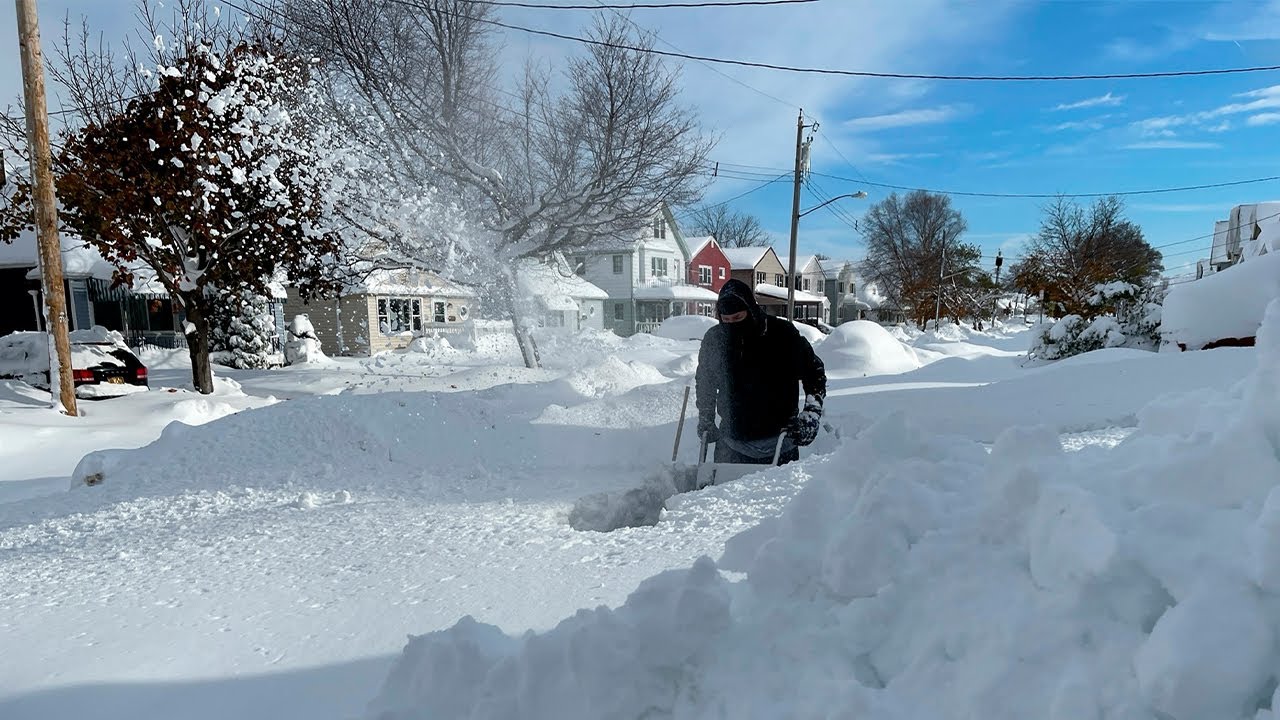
[(791, 261)]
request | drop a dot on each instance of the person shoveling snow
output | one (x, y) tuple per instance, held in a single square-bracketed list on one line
[(750, 367)]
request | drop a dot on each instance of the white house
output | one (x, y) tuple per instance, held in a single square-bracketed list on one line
[(563, 298), (643, 276), (840, 286), (810, 274)]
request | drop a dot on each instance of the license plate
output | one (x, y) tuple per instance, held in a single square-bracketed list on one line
[(116, 380)]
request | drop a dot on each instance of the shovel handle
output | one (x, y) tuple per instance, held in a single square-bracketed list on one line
[(777, 450), (684, 405)]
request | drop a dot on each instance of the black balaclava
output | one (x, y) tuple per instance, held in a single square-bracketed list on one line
[(735, 297)]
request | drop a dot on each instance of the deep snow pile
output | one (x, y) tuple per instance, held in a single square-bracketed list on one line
[(685, 327), (861, 348), (940, 580), (1227, 304)]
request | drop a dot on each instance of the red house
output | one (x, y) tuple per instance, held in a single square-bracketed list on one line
[(708, 268)]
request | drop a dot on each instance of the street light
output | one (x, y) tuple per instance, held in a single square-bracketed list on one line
[(795, 222), (857, 196)]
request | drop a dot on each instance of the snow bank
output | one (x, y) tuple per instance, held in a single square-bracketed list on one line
[(685, 327), (860, 348), (939, 580), (810, 333), (1227, 304), (613, 376)]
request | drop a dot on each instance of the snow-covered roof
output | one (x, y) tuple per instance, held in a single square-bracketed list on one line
[(555, 284), (833, 268), (745, 258), (408, 282), (78, 259), (698, 244), (802, 263), (774, 291), (683, 293)]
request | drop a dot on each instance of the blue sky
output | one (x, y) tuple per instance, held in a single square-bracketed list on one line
[(1089, 136)]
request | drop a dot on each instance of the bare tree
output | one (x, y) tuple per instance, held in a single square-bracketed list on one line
[(1078, 249), (914, 253), (731, 228), (567, 165)]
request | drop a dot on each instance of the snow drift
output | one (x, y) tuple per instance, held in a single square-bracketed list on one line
[(939, 580), (1224, 305), (862, 347)]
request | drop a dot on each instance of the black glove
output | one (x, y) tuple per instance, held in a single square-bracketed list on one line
[(707, 430), (803, 428)]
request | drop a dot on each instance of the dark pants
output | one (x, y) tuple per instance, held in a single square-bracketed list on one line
[(726, 454)]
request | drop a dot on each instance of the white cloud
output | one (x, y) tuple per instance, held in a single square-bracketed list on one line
[(1107, 100), (1217, 120), (1172, 145), (1260, 23), (905, 118), (895, 158), (1077, 125), (1263, 119)]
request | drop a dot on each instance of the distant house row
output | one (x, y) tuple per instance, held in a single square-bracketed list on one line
[(626, 285)]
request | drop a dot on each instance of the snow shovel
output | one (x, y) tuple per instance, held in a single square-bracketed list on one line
[(643, 506)]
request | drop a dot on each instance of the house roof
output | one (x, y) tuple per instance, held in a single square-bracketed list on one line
[(802, 262), (554, 283), (773, 291), (408, 282), (745, 258), (833, 268), (78, 259), (683, 293), (698, 244), (674, 242)]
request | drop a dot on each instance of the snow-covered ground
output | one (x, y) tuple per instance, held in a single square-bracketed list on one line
[(268, 555)]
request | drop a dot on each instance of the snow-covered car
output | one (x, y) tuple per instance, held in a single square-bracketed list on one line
[(102, 365)]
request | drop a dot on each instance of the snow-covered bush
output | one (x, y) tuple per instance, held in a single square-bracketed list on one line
[(1121, 315), (303, 345), (243, 331)]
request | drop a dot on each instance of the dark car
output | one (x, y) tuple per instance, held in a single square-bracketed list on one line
[(102, 365)]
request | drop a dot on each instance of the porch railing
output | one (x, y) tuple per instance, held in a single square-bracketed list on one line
[(647, 327)]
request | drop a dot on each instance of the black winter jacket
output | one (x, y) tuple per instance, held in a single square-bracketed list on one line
[(752, 378)]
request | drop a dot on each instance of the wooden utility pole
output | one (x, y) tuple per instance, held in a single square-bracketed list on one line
[(801, 148), (61, 384)]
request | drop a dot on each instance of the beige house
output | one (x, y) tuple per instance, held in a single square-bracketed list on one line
[(387, 312)]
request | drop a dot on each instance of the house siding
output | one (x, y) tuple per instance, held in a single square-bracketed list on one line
[(710, 256), (342, 324)]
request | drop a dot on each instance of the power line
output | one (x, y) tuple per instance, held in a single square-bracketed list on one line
[(846, 73), (639, 6), (757, 188)]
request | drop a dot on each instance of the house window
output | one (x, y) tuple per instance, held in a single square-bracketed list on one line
[(841, 288), (721, 273), (617, 264), (399, 315), (438, 315), (659, 228), (779, 280), (759, 278), (658, 267), (706, 309), (619, 312), (580, 265), (704, 274), (806, 284)]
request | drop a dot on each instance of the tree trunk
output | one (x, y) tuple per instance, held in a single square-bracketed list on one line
[(520, 323), (197, 332)]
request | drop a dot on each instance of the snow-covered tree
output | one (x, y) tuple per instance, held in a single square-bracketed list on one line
[(249, 331), (215, 177), (555, 165)]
